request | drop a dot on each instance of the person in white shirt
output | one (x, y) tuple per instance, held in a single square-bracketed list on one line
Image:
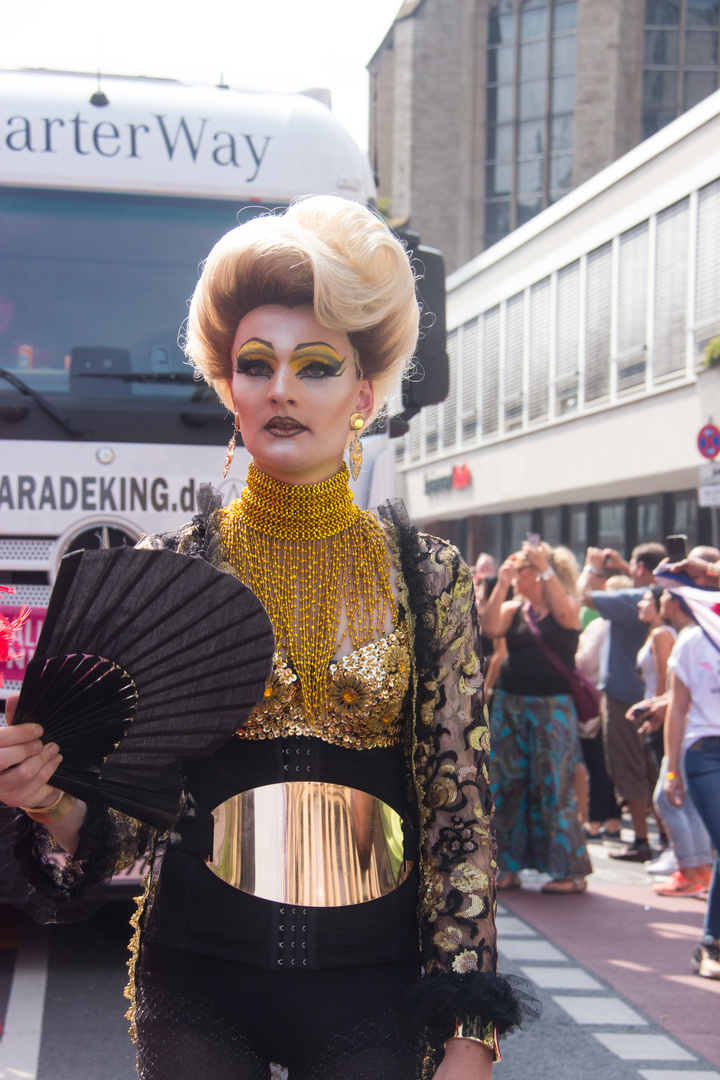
[(692, 732)]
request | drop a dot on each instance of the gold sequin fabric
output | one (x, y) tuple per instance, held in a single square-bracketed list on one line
[(365, 694)]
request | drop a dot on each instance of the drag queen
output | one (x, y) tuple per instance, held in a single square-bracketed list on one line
[(335, 913)]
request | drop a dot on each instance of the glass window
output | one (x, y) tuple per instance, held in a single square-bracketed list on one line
[(562, 94), (533, 22), (662, 46), (520, 526), (649, 519), (561, 172), (111, 270), (531, 137), (497, 220), (499, 142), (564, 53), (562, 132), (533, 60), (611, 525), (702, 13), (565, 16), (660, 89), (698, 85), (500, 103), (551, 526), (530, 176), (498, 179), (578, 531), (501, 65), (701, 48), (662, 12), (685, 515), (532, 99), (527, 209), (655, 120), (501, 29)]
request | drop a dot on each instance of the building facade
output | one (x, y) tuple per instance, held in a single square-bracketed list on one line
[(485, 112), (576, 344)]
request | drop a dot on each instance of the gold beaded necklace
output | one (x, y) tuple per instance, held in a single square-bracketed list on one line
[(309, 553)]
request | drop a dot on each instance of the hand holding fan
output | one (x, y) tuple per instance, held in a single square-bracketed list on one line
[(146, 659)]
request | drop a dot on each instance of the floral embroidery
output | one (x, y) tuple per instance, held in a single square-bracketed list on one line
[(450, 938), (465, 962)]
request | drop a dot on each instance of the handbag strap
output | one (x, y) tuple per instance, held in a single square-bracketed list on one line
[(549, 653)]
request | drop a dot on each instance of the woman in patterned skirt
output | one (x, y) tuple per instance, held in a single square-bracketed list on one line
[(533, 722)]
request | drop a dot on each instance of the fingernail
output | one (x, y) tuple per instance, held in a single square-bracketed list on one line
[(37, 731), (52, 749)]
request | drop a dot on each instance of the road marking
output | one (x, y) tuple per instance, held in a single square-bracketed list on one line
[(599, 1010), (20, 1043), (644, 1047), (561, 978), (530, 950), (513, 927), (678, 1074)]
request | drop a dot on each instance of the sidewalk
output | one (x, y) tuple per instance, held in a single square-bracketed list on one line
[(638, 943)]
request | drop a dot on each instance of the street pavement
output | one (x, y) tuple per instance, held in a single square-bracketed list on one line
[(611, 967)]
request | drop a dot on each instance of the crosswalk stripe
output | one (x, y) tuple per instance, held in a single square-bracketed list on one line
[(599, 1010), (643, 1047)]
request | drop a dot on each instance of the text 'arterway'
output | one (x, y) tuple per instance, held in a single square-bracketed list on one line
[(194, 140)]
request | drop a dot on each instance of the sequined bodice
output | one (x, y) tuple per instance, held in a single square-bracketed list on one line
[(366, 691)]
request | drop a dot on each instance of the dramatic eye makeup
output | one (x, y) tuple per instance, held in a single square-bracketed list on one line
[(256, 357), (316, 359)]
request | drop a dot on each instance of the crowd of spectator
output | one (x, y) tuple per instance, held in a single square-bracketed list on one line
[(647, 633)]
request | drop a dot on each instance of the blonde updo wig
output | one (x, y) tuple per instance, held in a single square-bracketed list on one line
[(325, 252)]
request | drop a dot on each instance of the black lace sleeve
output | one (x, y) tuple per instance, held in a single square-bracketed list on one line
[(40, 879)]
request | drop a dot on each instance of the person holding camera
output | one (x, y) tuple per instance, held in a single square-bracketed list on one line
[(629, 762), (534, 721)]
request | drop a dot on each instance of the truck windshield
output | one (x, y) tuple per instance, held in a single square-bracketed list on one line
[(94, 290)]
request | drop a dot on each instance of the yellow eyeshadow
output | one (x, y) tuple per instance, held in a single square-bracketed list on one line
[(313, 354)]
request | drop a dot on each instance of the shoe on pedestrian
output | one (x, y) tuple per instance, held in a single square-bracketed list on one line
[(709, 960), (696, 957), (638, 851), (592, 837), (565, 885), (681, 883), (704, 874), (507, 879), (666, 863), (610, 834)]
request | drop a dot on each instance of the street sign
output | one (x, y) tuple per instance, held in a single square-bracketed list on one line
[(709, 495), (709, 441), (709, 474)]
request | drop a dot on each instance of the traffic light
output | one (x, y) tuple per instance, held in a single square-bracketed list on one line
[(429, 382)]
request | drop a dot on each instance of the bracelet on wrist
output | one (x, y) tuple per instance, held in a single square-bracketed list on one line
[(670, 776), (53, 812), (473, 1029)]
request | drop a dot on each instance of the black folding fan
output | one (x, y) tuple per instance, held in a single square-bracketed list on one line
[(146, 659)]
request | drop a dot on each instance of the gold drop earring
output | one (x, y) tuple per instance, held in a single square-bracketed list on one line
[(231, 446), (357, 423)]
